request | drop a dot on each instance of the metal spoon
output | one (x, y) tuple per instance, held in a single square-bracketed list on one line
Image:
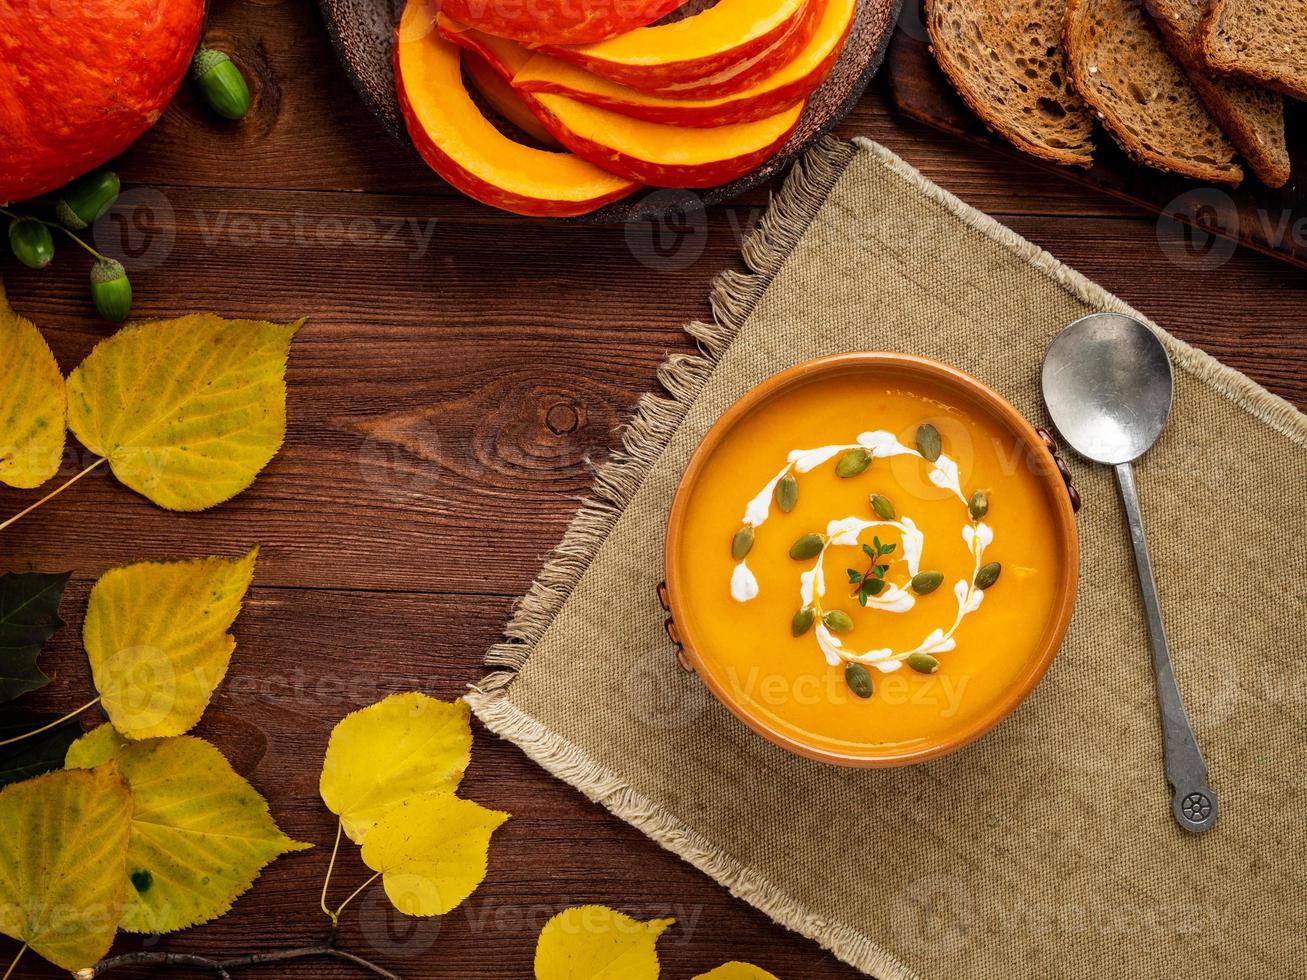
[(1107, 384)]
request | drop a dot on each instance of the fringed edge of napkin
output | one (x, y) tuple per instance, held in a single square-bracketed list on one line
[(733, 298)]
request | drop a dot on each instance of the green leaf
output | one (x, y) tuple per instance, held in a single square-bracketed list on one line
[(200, 833), (29, 615), (156, 637), (62, 860), (32, 403), (187, 411), (38, 754)]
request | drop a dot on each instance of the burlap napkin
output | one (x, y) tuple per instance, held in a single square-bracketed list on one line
[(1047, 848)]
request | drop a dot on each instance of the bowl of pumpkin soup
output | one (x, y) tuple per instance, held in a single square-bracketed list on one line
[(871, 559)]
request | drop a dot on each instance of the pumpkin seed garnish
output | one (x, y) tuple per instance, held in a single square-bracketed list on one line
[(923, 663), (808, 546), (742, 543), (924, 583), (838, 620), (928, 441), (802, 621), (978, 505), (988, 575), (787, 493), (859, 679), (883, 508), (852, 463)]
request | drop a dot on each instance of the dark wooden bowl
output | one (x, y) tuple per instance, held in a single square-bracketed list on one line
[(362, 32)]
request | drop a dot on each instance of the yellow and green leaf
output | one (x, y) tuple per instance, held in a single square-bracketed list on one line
[(187, 411), (402, 747), (63, 863), (32, 402), (593, 942), (431, 851), (736, 970), (156, 637), (97, 746), (200, 833)]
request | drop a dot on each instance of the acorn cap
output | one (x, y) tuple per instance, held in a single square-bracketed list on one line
[(207, 59), (107, 270)]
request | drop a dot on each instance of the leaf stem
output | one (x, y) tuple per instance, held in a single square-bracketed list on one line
[(333, 916), (45, 728), (55, 492), (224, 968), (17, 956), (354, 895), (67, 231)]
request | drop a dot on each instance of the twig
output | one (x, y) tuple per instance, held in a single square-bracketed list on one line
[(224, 968)]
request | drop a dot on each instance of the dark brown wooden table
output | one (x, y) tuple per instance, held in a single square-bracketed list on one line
[(462, 372)]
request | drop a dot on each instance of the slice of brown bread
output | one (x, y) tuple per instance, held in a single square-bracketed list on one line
[(1263, 41), (1118, 65), (1005, 59), (1252, 117)]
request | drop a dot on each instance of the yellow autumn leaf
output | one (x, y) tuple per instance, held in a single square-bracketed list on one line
[(736, 970), (431, 851), (200, 833), (32, 402), (62, 861), (187, 411), (98, 745), (403, 746), (156, 637), (594, 942)]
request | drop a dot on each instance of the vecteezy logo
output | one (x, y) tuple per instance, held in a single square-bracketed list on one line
[(1197, 230), (674, 237), (139, 230)]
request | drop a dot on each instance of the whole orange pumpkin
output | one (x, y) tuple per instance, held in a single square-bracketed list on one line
[(81, 79)]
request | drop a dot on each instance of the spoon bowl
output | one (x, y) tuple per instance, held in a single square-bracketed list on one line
[(1107, 383)]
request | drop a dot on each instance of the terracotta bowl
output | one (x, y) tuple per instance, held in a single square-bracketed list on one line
[(1048, 468)]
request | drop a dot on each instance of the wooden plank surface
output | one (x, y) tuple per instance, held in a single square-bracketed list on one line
[(461, 374)]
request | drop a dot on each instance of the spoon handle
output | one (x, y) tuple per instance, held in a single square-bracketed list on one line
[(1193, 803)]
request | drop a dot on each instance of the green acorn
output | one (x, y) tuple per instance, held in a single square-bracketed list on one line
[(111, 290), (31, 242), (221, 83), (84, 201)]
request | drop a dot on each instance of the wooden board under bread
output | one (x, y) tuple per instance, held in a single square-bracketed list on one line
[(1274, 222)]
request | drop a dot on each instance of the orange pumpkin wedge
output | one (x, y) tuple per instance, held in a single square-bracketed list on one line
[(502, 97), (794, 80), (558, 21), (655, 59), (651, 153), (465, 148)]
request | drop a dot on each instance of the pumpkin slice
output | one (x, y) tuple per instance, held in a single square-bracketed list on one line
[(502, 97), (656, 59), (559, 21), (465, 148), (794, 80)]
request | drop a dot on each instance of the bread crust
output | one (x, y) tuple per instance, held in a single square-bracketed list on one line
[(991, 115), (1074, 38), (1270, 164), (1208, 49)]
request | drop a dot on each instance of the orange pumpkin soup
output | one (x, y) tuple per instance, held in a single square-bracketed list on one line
[(868, 564)]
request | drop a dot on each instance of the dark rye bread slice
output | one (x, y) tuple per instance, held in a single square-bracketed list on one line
[(1252, 117), (1263, 41), (1005, 59), (1118, 65)]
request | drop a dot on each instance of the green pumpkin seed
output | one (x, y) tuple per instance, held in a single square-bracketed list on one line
[(978, 505), (859, 679), (838, 621), (923, 663), (852, 463), (988, 575), (808, 546), (787, 493), (742, 543), (924, 583), (802, 621), (928, 441), (883, 508)]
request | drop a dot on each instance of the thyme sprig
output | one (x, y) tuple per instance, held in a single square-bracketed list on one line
[(872, 581)]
